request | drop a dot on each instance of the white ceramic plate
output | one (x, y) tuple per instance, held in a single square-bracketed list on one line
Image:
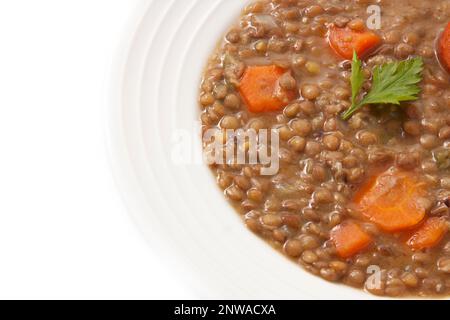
[(179, 208)]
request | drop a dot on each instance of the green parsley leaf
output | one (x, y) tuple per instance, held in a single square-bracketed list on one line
[(393, 83), (357, 78)]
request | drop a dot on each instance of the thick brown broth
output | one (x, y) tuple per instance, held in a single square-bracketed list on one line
[(324, 160)]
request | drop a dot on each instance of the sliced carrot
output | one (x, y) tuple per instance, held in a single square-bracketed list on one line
[(349, 239), (344, 41), (391, 200), (261, 91), (429, 235), (444, 47)]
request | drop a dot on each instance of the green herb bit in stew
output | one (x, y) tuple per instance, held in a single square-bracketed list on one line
[(442, 157), (392, 83)]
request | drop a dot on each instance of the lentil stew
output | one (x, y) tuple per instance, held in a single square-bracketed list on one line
[(368, 191)]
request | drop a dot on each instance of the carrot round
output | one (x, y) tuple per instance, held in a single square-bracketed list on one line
[(344, 41), (391, 200), (349, 239), (261, 91), (429, 235), (444, 47)]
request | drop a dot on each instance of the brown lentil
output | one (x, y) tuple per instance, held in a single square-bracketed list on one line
[(310, 91)]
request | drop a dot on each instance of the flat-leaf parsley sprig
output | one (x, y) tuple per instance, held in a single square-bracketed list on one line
[(392, 83)]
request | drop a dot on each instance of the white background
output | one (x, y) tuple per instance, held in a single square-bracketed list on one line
[(64, 231)]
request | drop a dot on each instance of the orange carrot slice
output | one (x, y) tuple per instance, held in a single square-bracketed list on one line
[(260, 89), (344, 41), (444, 48), (429, 235), (390, 200), (349, 239)]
